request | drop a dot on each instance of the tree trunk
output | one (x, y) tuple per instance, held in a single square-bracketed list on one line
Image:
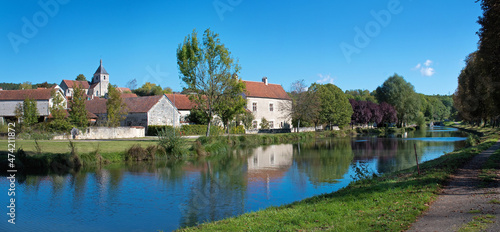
[(208, 128), (298, 126)]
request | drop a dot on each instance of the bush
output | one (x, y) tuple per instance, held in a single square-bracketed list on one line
[(153, 129), (237, 130), (173, 145), (137, 153)]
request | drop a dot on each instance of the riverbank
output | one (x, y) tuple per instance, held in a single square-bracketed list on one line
[(389, 202)]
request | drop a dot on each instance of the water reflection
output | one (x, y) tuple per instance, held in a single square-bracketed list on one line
[(167, 195)]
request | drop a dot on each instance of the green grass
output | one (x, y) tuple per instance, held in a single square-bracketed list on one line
[(61, 146), (478, 223), (387, 203)]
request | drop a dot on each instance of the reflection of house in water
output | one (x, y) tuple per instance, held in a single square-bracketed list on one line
[(270, 162)]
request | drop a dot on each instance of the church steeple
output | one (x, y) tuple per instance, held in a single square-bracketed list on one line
[(100, 81)]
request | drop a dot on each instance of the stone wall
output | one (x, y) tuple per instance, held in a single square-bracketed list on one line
[(107, 133), (163, 113)]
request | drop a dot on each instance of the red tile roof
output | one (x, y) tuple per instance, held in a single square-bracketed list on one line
[(260, 89), (96, 106), (123, 90), (182, 101), (36, 94), (73, 84)]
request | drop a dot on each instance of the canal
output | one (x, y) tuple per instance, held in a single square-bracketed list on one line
[(151, 196)]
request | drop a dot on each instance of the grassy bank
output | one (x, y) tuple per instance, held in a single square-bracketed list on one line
[(389, 202)]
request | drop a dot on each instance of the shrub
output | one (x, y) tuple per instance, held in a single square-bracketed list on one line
[(173, 145), (137, 153), (237, 130)]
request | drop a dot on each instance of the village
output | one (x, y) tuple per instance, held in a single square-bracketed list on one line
[(263, 101)]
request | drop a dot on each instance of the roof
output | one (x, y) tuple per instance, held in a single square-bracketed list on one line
[(141, 104), (260, 89), (93, 85), (182, 101), (101, 70), (123, 90), (128, 95), (96, 106), (134, 104), (36, 94), (73, 84)]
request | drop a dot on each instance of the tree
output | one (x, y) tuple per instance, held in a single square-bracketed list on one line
[(246, 118), (360, 95), (197, 116), (81, 77), (400, 94), (334, 105), (77, 112), (304, 106), (58, 122), (116, 109), (151, 89), (26, 85), (389, 114), (233, 103), (30, 111), (489, 55), (207, 69), (264, 124)]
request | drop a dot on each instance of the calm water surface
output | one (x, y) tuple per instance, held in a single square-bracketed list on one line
[(166, 196)]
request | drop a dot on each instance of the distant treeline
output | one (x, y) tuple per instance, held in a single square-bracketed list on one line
[(25, 85)]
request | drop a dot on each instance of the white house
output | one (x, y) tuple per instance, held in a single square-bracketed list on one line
[(267, 101)]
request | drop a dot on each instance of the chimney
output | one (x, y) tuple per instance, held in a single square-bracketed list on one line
[(264, 79)]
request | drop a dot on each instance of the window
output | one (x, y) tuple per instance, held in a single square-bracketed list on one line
[(271, 124), (271, 107), (254, 124), (254, 106)]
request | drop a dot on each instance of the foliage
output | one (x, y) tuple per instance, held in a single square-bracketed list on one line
[(81, 77), (116, 109), (149, 89), (264, 124), (207, 69), (232, 102), (26, 85), (389, 114), (246, 118), (138, 153), (400, 94), (77, 110), (30, 112), (304, 106), (197, 116), (361, 95), (334, 105), (237, 130), (173, 145)]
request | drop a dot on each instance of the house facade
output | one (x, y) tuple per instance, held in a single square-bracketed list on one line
[(183, 105), (68, 86), (268, 101), (10, 99)]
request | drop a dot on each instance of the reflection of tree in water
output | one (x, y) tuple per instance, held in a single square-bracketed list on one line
[(219, 191), (324, 161)]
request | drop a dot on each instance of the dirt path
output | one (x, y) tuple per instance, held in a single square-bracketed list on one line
[(462, 200)]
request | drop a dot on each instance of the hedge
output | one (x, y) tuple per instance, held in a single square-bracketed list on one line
[(187, 130)]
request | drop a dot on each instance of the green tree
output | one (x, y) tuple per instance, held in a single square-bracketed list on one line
[(246, 118), (361, 95), (334, 105), (151, 89), (26, 85), (77, 111), (232, 103), (116, 109), (207, 69), (197, 116), (264, 124), (58, 113), (400, 94), (30, 112), (489, 56), (305, 105), (81, 77)]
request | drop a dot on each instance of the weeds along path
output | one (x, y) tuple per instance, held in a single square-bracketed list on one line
[(464, 202)]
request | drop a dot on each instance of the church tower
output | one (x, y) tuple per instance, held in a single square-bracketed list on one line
[(100, 82)]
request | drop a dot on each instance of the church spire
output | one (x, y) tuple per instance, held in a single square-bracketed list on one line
[(101, 69)]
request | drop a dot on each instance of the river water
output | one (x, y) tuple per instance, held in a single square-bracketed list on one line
[(151, 196)]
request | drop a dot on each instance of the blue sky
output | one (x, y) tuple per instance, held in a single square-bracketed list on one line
[(353, 44)]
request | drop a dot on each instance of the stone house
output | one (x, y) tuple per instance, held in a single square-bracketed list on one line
[(268, 101), (9, 99), (68, 86), (142, 111)]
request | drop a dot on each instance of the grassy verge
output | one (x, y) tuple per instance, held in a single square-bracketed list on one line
[(390, 202)]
